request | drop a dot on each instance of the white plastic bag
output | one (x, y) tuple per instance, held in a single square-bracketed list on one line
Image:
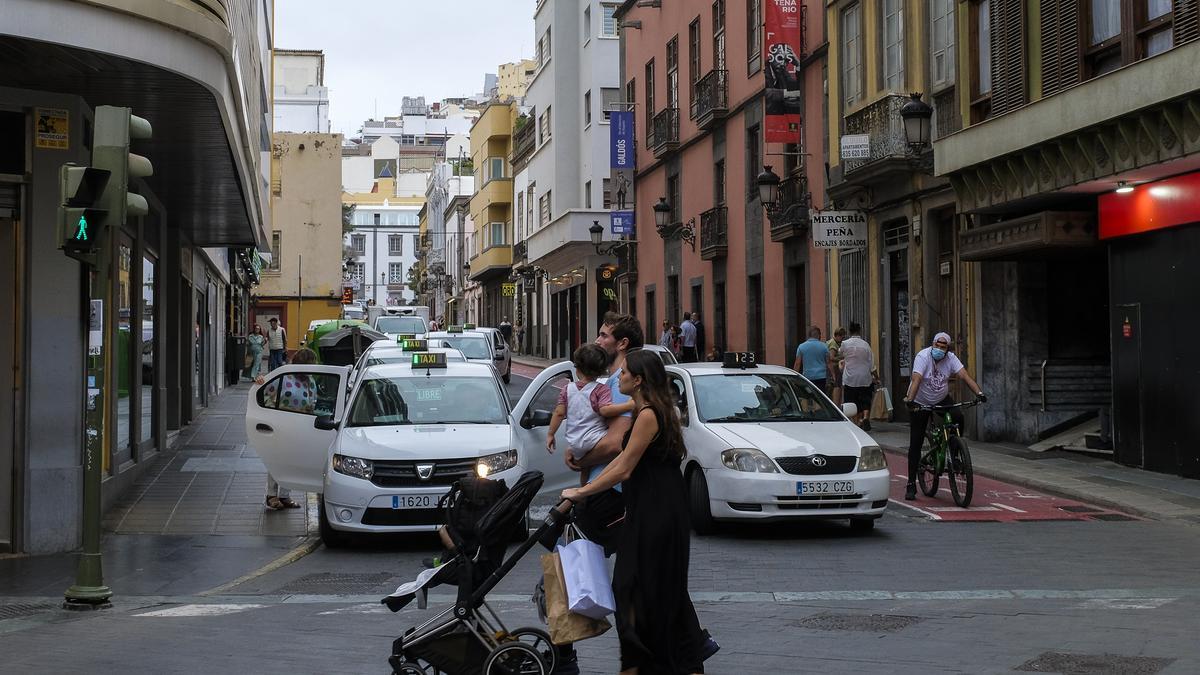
[(589, 589)]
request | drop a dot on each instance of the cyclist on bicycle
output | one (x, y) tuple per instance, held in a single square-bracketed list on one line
[(932, 370)]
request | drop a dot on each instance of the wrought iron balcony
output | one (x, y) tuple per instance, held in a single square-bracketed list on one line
[(714, 233), (523, 142), (519, 252), (664, 132), (789, 216), (710, 101), (881, 122)]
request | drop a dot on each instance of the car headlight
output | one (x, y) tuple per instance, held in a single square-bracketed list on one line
[(354, 466), (870, 458), (501, 461), (748, 459)]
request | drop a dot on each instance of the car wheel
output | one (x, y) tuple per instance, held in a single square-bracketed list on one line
[(862, 524), (330, 537), (701, 510)]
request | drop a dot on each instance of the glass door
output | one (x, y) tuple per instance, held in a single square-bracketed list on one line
[(148, 402), (126, 357)]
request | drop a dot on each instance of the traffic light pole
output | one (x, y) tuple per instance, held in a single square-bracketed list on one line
[(89, 591)]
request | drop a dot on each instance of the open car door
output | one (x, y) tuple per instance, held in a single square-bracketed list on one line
[(279, 422), (531, 420)]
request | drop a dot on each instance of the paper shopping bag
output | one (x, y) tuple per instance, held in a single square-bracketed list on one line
[(589, 590), (565, 626), (879, 409)]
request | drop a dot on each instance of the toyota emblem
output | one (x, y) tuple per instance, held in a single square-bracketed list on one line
[(819, 461)]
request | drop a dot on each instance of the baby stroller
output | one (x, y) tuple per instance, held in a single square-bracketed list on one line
[(463, 640)]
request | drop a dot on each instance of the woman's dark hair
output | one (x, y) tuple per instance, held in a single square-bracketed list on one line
[(590, 360), (658, 394), (304, 355)]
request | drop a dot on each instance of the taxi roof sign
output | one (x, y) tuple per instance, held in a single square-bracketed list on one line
[(414, 345), (406, 336), (429, 359), (468, 326), (454, 329), (740, 360)]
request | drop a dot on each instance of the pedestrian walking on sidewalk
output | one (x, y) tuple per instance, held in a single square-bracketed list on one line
[(701, 341), (812, 359), (667, 336), (277, 344), (932, 370), (506, 330), (687, 339), (256, 342), (858, 375), (835, 365)]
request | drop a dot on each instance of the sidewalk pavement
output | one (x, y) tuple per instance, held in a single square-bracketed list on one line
[(1083, 477), (1087, 478), (195, 518), (534, 361)]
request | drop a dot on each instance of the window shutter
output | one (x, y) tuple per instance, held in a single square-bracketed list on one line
[(1186, 21), (1061, 61), (1008, 55)]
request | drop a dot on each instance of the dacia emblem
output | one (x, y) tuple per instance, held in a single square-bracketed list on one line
[(424, 471)]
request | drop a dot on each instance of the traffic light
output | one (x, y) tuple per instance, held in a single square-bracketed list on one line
[(110, 150), (79, 214)]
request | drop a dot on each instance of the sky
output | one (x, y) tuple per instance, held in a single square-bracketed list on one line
[(378, 51)]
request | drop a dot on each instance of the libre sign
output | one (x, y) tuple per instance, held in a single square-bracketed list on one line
[(838, 229)]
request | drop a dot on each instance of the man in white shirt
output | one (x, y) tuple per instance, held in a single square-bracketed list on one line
[(858, 374), (277, 344), (687, 334), (933, 368)]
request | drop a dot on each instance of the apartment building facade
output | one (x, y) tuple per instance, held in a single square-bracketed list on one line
[(1075, 173), (178, 277), (696, 76)]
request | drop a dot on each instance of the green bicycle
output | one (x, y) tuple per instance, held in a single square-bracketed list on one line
[(946, 451)]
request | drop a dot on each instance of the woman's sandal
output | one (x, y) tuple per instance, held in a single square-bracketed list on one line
[(274, 503), (288, 503)]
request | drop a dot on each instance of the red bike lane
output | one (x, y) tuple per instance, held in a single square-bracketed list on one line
[(993, 501)]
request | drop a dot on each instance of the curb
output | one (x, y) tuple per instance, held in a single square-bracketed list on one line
[(1049, 488), (305, 547)]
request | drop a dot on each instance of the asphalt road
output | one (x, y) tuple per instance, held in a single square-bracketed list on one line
[(928, 591)]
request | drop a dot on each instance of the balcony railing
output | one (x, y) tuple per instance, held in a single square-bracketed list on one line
[(947, 119), (664, 132), (881, 122), (714, 233), (711, 100), (524, 141), (790, 218)]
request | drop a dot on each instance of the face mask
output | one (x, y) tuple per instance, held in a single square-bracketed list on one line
[(938, 354)]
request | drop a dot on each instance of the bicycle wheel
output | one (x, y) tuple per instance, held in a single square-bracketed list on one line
[(962, 477), (927, 472)]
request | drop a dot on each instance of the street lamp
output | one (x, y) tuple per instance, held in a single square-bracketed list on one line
[(917, 116), (786, 202), (668, 230), (597, 232)]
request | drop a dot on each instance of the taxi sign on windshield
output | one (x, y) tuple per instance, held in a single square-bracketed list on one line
[(406, 336), (429, 359), (468, 326), (740, 360), (414, 345), (454, 329)]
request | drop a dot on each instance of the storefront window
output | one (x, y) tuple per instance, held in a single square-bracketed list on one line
[(126, 345), (148, 353)]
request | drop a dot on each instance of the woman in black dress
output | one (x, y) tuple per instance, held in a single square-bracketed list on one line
[(656, 622)]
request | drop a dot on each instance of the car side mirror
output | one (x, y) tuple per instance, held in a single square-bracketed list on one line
[(536, 418), (325, 423), (850, 409), (498, 357)]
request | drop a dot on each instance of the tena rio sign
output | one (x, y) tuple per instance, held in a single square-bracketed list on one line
[(838, 229)]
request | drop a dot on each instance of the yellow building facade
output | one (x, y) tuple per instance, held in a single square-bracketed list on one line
[(491, 246)]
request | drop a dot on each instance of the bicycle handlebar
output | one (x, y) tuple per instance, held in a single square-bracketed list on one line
[(943, 408)]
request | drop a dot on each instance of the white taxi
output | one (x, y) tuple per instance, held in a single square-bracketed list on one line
[(397, 326), (762, 444), (381, 452)]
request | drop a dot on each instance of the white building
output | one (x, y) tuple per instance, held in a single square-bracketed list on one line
[(383, 243), (445, 183), (566, 180), (301, 98)]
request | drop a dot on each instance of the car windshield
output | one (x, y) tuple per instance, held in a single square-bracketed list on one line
[(750, 397), (472, 347), (400, 324), (427, 400)]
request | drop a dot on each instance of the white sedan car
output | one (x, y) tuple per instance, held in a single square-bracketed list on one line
[(381, 453), (762, 444)]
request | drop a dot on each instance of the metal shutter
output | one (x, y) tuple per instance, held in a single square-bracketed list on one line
[(1186, 21), (1061, 58), (1008, 55)]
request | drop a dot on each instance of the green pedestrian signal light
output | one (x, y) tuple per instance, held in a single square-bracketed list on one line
[(80, 211), (81, 231)]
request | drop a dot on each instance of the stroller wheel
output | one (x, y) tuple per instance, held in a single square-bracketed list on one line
[(408, 669), (540, 641), (514, 658)]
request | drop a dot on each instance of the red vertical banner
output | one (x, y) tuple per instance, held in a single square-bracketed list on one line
[(783, 37)]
